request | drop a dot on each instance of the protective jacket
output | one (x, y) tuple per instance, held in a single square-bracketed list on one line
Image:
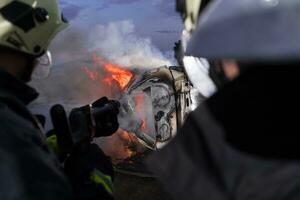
[(28, 169), (240, 144)]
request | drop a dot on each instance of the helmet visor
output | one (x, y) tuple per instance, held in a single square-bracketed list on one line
[(43, 68)]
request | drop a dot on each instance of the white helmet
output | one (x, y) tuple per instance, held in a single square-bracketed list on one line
[(248, 30), (28, 26)]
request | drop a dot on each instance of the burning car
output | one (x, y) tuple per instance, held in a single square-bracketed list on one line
[(154, 105)]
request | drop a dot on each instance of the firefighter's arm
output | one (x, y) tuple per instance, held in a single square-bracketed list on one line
[(28, 170), (93, 171), (89, 170)]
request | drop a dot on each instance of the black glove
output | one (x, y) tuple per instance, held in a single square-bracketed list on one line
[(106, 118), (98, 120), (179, 52), (90, 173)]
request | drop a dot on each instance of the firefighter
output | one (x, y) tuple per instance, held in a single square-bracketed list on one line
[(242, 142), (196, 68), (28, 169), (206, 76)]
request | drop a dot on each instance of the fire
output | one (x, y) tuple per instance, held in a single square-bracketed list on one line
[(91, 74), (111, 72), (121, 146), (139, 102), (122, 76), (143, 126)]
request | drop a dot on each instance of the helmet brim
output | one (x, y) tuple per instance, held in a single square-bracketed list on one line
[(242, 30)]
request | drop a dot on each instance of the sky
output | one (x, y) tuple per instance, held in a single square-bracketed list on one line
[(153, 19)]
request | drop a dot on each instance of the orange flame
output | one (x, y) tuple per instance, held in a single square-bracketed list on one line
[(91, 74), (139, 102), (122, 76), (121, 146), (112, 72)]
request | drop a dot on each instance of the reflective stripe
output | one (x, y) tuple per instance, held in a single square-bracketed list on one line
[(53, 145), (102, 179), (21, 15)]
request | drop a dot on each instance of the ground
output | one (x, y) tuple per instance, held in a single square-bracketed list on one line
[(134, 187)]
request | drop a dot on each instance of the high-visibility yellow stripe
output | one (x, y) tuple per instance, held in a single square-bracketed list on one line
[(102, 179), (53, 145)]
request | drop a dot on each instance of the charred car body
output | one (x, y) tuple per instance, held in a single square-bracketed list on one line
[(157, 104)]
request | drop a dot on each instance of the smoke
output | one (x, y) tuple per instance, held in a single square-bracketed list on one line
[(72, 50), (118, 42)]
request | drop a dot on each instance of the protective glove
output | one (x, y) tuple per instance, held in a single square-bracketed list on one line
[(99, 119), (179, 52), (106, 122)]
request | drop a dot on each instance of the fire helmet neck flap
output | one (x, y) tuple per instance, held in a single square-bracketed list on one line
[(257, 30), (28, 26)]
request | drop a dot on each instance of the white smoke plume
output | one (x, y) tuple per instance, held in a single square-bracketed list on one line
[(115, 41), (118, 42)]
